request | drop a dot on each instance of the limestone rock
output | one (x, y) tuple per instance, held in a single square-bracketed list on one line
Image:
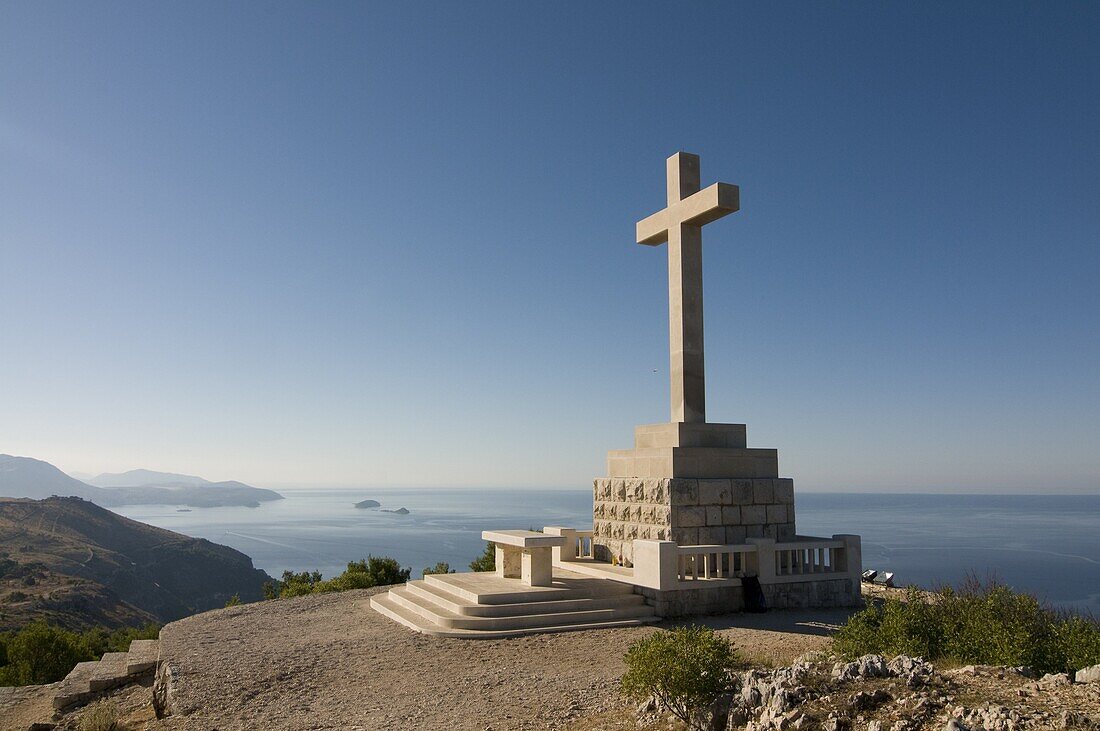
[(1088, 675)]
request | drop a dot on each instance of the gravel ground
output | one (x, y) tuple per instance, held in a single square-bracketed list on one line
[(331, 662)]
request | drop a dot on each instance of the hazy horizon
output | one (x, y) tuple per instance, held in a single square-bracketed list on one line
[(393, 245), (941, 490)]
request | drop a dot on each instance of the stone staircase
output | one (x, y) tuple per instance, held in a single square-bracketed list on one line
[(89, 680), (483, 605)]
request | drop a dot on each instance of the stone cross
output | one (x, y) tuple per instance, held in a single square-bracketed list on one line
[(681, 225)]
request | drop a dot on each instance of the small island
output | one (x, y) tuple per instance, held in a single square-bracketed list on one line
[(368, 504), (399, 511)]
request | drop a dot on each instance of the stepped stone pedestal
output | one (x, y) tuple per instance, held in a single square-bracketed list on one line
[(692, 483), (484, 605)]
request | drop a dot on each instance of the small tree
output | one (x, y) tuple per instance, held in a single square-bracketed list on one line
[(365, 573), (440, 568), (487, 561), (685, 669), (233, 600)]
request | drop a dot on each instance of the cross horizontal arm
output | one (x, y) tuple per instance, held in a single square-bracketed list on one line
[(707, 205)]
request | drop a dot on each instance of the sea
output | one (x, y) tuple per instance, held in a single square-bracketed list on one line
[(1048, 545)]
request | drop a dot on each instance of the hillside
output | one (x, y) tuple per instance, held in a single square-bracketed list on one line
[(141, 478), (78, 564), (33, 478)]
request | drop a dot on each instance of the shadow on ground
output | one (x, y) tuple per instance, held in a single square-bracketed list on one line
[(819, 622)]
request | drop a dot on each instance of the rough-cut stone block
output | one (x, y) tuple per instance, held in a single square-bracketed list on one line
[(735, 534), (754, 514), (714, 535), (714, 515), (754, 531), (684, 492), (634, 491), (142, 656), (731, 515), (771, 531), (763, 492), (75, 686), (618, 490), (742, 492), (655, 491), (784, 491), (110, 672), (777, 513), (715, 492)]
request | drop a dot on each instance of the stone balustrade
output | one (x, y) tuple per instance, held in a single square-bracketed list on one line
[(714, 562)]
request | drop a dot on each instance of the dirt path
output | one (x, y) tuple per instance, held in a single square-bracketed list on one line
[(330, 662)]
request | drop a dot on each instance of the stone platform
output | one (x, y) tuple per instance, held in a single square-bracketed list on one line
[(484, 605)]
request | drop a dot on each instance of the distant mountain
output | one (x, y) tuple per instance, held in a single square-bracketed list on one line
[(77, 564), (141, 478), (32, 478)]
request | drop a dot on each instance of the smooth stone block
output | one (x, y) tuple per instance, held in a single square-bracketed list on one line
[(685, 434), (508, 562), (715, 492), (537, 567), (763, 492)]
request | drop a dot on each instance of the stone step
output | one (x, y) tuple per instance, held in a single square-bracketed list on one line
[(110, 672), (384, 605), (74, 688), (143, 656), (452, 620), (457, 605), (472, 588)]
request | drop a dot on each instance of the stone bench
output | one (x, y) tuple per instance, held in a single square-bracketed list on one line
[(524, 555)]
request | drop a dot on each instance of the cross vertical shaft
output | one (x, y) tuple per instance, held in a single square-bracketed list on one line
[(681, 225), (685, 298)]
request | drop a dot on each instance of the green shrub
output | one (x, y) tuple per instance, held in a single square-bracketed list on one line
[(977, 622), (363, 574), (299, 584), (440, 568), (101, 640), (487, 561), (234, 601), (40, 653), (685, 669)]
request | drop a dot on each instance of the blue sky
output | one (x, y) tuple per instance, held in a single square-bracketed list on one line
[(392, 244)]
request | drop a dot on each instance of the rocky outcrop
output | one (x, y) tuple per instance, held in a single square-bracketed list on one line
[(900, 694)]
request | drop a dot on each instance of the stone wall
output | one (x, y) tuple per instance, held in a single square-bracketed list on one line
[(813, 594), (689, 511), (816, 593)]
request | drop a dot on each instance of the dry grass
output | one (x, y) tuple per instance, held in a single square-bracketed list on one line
[(102, 715)]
